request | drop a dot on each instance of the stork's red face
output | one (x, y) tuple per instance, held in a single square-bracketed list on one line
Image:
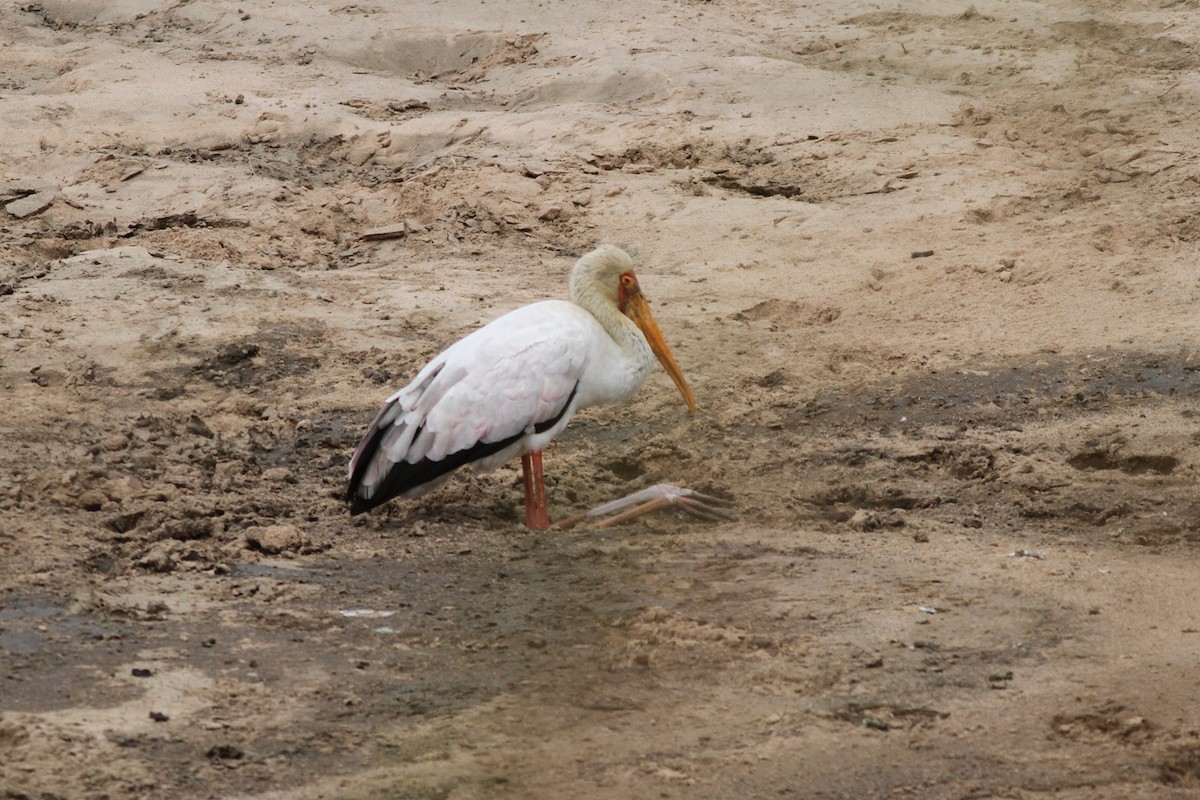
[(633, 305), (627, 287)]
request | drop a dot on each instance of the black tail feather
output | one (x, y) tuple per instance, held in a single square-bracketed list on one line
[(404, 477)]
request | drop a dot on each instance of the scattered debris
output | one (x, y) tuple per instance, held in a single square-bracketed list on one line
[(225, 752), (197, 426), (29, 206), (863, 520), (27, 197), (999, 680), (869, 520), (1023, 553), (386, 232), (400, 106), (365, 613), (158, 558), (276, 539)]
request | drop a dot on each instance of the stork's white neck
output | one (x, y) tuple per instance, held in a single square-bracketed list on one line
[(594, 283), (622, 364)]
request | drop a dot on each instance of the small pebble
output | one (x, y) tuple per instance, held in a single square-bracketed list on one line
[(278, 475), (225, 751), (275, 539), (92, 500)]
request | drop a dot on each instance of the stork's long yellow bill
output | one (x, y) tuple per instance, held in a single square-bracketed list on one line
[(638, 310)]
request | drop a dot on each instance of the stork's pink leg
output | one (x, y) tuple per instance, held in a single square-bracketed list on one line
[(537, 515)]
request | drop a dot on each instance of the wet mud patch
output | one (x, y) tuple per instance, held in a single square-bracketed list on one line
[(428, 632), (1113, 721), (1088, 446), (1009, 394), (272, 355), (1132, 464), (1181, 766)]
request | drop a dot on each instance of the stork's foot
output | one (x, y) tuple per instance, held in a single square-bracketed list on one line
[(660, 496)]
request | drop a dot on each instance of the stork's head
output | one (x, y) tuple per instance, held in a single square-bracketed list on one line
[(605, 278), (599, 273)]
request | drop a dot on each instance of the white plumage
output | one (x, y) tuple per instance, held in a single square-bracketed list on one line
[(510, 387)]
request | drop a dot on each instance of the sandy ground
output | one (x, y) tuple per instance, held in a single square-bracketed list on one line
[(930, 268)]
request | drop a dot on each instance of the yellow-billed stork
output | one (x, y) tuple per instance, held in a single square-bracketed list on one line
[(510, 387)]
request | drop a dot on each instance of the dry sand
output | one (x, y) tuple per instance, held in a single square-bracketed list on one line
[(930, 269)]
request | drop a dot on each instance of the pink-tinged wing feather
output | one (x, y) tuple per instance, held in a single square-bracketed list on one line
[(497, 383)]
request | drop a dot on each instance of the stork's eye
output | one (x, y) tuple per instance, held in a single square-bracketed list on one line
[(627, 281)]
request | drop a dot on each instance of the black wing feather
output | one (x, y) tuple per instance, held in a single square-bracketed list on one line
[(404, 476)]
